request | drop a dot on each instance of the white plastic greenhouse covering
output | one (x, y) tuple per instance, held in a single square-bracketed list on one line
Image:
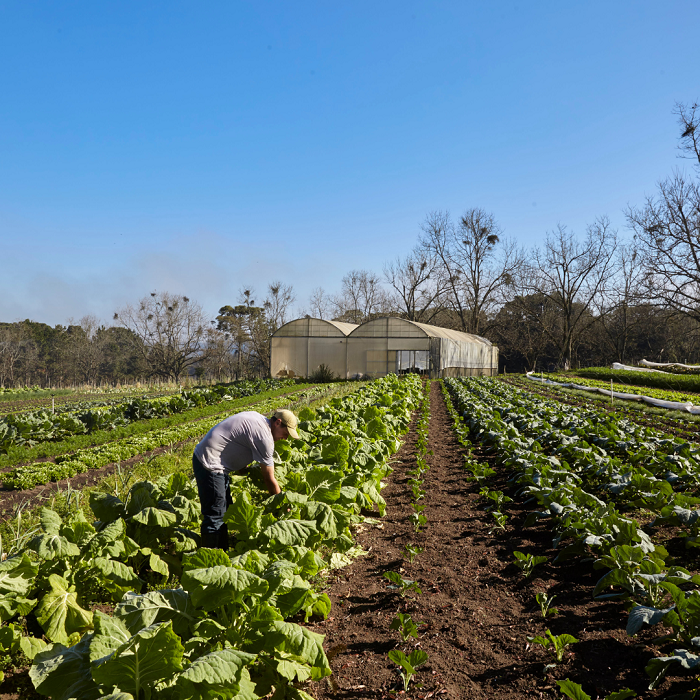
[(377, 348)]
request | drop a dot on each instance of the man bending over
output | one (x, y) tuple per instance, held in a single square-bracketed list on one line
[(230, 446)]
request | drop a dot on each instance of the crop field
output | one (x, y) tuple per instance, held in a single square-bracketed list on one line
[(465, 538), (28, 399)]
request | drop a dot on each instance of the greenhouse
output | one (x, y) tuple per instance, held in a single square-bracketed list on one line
[(379, 347), (300, 347)]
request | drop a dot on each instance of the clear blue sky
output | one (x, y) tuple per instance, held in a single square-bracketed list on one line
[(200, 147)]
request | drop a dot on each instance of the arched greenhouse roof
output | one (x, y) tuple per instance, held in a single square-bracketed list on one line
[(314, 328), (390, 326)]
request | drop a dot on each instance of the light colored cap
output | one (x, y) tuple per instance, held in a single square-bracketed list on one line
[(289, 421)]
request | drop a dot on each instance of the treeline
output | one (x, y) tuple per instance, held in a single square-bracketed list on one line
[(164, 337), (574, 300)]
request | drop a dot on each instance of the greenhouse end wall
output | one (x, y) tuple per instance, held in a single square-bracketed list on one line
[(300, 347)]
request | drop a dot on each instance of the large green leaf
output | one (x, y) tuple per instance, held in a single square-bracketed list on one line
[(217, 673), (12, 604), (293, 599), (79, 531), (152, 655), (324, 517), (58, 612), (31, 646), (106, 507), (211, 588), (108, 542), (298, 643), (290, 532), (325, 483), (141, 496), (17, 575), (63, 673), (376, 429), (244, 517), (53, 546), (204, 558), (253, 560), (335, 449), (50, 521), (155, 517), (140, 611), (116, 577), (110, 634)]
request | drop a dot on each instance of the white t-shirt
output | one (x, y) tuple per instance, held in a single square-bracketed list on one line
[(236, 442)]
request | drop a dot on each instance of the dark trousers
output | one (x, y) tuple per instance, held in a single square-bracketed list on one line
[(215, 498)]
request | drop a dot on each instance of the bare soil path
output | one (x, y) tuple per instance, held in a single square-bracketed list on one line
[(477, 607)]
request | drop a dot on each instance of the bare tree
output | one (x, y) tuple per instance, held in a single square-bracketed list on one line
[(361, 297), (82, 350), (220, 361), (319, 304), (689, 120), (522, 330), (277, 302), (171, 330), (571, 274), (476, 266), (250, 326), (667, 228), (619, 315), (417, 285), (241, 323), (16, 346)]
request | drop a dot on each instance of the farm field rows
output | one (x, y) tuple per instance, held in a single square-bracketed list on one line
[(523, 506), (665, 394), (224, 631), (479, 608), (32, 481), (10, 403), (33, 427), (681, 425)]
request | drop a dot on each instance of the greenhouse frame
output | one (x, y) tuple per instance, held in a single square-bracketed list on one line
[(377, 348)]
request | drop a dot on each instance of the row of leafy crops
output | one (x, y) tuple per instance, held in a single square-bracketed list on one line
[(659, 380), (663, 394), (76, 401), (37, 426), (68, 465), (588, 471), (221, 629), (22, 390)]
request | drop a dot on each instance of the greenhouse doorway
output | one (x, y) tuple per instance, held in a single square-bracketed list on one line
[(412, 362)]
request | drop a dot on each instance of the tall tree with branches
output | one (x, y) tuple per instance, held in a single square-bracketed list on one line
[(667, 228), (170, 330), (571, 274), (361, 298), (477, 267), (417, 285)]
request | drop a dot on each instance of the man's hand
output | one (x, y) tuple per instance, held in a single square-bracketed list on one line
[(268, 475)]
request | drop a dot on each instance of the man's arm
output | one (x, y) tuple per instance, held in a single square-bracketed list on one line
[(268, 475)]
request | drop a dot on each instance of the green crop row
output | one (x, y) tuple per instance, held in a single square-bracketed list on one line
[(585, 469), (32, 427), (657, 380)]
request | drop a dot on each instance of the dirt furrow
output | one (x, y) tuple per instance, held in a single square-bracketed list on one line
[(474, 631)]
